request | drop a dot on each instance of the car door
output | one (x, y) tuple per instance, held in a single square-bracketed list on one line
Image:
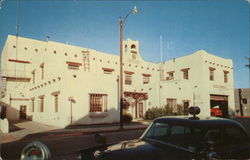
[(236, 144)]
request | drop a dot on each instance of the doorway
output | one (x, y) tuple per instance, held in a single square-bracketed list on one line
[(140, 110), (219, 105), (23, 109)]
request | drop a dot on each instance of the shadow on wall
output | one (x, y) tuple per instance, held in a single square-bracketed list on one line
[(111, 116), (13, 115)]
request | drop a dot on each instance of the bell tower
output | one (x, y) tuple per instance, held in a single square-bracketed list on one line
[(131, 49)]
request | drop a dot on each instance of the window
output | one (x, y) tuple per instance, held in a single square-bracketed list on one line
[(244, 100), (146, 78), (98, 102), (234, 137), (55, 94), (107, 70), (56, 103), (185, 73), (32, 104), (73, 65), (33, 76), (158, 131), (178, 135), (126, 48), (171, 102), (133, 55), (41, 103), (42, 70), (211, 73), (186, 106), (225, 76), (170, 75), (128, 77), (133, 46)]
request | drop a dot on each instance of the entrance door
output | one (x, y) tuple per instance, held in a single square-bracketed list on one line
[(140, 110), (219, 105), (23, 112)]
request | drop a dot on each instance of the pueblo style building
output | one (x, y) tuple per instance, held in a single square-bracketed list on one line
[(61, 84)]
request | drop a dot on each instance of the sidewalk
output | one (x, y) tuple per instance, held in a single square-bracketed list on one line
[(33, 130)]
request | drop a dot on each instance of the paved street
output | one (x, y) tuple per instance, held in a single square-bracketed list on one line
[(66, 146)]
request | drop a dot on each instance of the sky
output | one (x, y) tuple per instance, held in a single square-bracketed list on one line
[(220, 27)]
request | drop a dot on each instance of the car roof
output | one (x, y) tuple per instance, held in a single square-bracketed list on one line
[(199, 121)]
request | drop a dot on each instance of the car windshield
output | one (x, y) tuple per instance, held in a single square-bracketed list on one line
[(193, 138)]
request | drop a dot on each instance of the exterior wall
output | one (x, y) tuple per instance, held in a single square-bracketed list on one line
[(40, 69), (245, 96), (198, 88)]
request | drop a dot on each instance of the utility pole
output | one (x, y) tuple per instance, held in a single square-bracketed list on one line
[(248, 65), (240, 102)]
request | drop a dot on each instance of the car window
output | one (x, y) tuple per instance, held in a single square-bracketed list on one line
[(158, 131), (184, 136), (234, 137)]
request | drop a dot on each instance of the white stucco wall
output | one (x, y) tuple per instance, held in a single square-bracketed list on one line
[(90, 78)]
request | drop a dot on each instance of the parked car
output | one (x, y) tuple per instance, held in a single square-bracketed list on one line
[(180, 138), (170, 138)]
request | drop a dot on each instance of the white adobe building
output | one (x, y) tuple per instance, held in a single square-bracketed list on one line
[(61, 84)]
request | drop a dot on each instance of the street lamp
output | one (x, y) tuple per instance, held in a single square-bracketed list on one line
[(122, 21)]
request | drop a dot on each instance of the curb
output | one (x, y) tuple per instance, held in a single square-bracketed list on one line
[(51, 135), (79, 133)]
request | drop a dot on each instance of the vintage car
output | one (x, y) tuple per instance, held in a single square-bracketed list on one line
[(174, 138)]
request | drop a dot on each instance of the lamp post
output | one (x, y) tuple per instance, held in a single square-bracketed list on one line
[(122, 21)]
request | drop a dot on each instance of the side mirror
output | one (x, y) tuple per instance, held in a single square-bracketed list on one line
[(100, 139), (36, 150)]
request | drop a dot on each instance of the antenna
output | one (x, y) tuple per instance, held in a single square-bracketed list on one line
[(161, 46), (17, 18)]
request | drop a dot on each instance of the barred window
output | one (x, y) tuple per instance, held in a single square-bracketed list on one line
[(98, 102)]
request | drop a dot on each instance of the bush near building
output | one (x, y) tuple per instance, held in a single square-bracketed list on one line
[(127, 117), (156, 112)]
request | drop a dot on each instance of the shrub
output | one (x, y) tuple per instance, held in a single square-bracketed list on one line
[(156, 112), (127, 117)]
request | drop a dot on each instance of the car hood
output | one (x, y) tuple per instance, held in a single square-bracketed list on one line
[(141, 149)]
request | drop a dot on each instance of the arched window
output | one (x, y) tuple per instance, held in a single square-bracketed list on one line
[(133, 46)]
